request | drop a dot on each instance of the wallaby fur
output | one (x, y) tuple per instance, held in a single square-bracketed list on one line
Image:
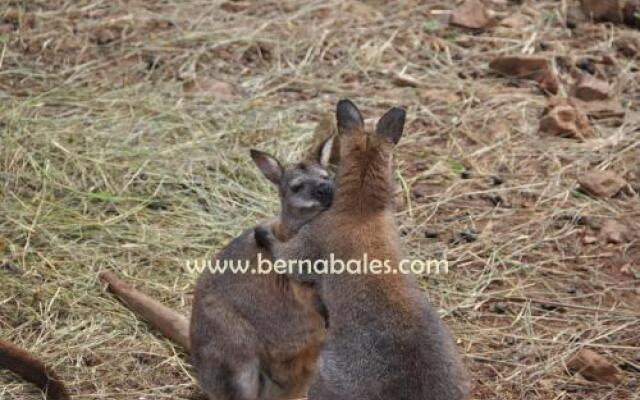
[(28, 367), (385, 341), (259, 336)]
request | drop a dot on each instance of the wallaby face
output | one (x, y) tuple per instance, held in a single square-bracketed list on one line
[(256, 336), (305, 188), (385, 341)]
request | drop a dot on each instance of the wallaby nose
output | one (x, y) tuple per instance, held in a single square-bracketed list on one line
[(324, 193)]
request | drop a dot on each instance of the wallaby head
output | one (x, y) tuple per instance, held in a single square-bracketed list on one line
[(366, 157), (306, 188)]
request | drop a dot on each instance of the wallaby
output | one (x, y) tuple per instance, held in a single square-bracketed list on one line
[(22, 363), (384, 341), (258, 336), (323, 150), (287, 349)]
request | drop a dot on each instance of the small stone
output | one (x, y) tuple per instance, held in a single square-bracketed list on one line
[(104, 36), (496, 200), (609, 59), (419, 193), (514, 21), (510, 340), (604, 10), (627, 45), (589, 88), (472, 14), (207, 87), (562, 118), (430, 233), (586, 65), (601, 183), (404, 80), (499, 308), (614, 232), (594, 367), (588, 239)]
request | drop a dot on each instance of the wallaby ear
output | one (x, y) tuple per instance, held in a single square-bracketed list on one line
[(391, 124), (268, 165), (325, 151), (348, 117)]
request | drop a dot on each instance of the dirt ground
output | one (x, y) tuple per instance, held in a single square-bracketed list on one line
[(124, 136)]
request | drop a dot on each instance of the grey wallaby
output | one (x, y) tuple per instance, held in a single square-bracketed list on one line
[(384, 341), (258, 336), (288, 352)]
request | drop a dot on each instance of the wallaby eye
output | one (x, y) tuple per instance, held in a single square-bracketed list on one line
[(296, 188)]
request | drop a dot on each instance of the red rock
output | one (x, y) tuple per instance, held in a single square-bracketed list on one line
[(562, 118), (609, 59), (472, 14), (594, 367), (604, 10), (514, 21), (104, 36), (627, 45), (602, 183), (614, 232), (535, 68), (206, 87), (589, 88)]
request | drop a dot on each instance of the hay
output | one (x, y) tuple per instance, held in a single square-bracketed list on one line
[(106, 164)]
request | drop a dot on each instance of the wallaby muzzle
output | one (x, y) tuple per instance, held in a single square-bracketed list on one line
[(323, 193)]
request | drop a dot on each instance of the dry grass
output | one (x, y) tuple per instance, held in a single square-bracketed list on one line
[(106, 164)]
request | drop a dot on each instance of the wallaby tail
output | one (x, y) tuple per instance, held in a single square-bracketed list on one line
[(33, 370), (172, 324)]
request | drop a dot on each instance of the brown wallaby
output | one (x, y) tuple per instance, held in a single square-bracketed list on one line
[(22, 363), (385, 341), (258, 336)]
